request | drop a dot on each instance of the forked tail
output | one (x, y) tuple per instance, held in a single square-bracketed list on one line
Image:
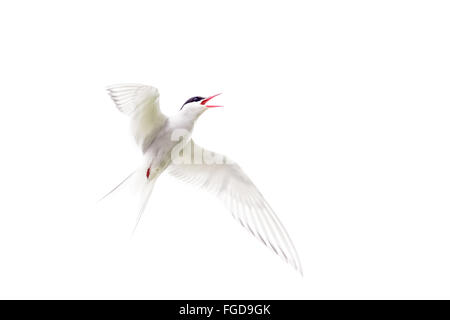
[(145, 196), (142, 183), (118, 186)]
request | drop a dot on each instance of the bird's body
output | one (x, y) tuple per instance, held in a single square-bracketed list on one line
[(166, 144), (157, 148), (157, 152)]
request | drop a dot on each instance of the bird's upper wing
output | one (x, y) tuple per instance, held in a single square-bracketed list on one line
[(219, 175), (141, 103)]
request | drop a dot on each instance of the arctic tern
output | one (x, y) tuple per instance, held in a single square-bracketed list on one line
[(166, 144)]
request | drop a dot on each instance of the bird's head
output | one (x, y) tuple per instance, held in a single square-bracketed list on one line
[(197, 105)]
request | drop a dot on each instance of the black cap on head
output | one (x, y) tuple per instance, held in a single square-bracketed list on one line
[(193, 99)]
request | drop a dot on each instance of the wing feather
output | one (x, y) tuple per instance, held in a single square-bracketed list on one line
[(141, 103), (243, 200)]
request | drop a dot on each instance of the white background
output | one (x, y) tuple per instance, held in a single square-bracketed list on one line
[(338, 110)]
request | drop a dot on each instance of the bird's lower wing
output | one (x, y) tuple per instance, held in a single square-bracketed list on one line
[(220, 176)]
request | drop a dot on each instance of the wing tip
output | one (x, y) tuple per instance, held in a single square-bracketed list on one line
[(299, 269)]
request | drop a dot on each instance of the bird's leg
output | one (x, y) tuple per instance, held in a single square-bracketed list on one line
[(148, 172)]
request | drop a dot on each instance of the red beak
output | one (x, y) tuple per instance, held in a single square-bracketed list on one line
[(209, 98)]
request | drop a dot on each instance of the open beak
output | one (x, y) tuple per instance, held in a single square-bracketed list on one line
[(205, 101)]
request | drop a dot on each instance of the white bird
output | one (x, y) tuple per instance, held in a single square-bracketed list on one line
[(166, 144)]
